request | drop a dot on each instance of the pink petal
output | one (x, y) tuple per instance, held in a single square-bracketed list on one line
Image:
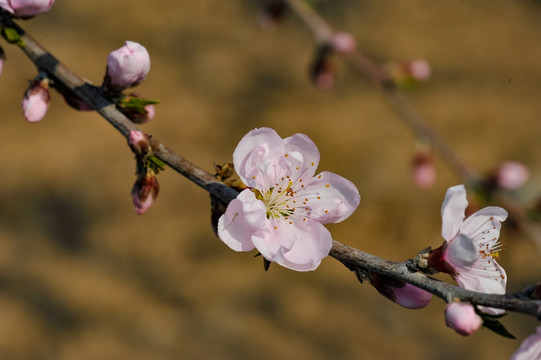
[(243, 217), (485, 224), (313, 243), (486, 277), (411, 297), (332, 198), (274, 239), (302, 153), (28, 7), (452, 211), (461, 252), (257, 157), (462, 318), (530, 348), (128, 65), (4, 4)]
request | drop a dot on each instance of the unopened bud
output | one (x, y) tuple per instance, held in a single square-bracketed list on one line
[(423, 172), (404, 294), (419, 69), (322, 70), (36, 100), (411, 297), (139, 142), (2, 58), (127, 67), (26, 8), (511, 175), (408, 74), (139, 117), (461, 317), (343, 43), (144, 192)]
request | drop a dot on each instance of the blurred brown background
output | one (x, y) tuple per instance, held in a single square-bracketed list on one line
[(83, 277)]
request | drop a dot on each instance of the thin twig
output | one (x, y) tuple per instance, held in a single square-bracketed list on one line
[(323, 32)]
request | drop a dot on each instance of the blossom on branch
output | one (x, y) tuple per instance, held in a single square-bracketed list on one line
[(461, 317), (530, 348), (36, 100), (285, 206), (127, 67), (471, 246), (26, 8)]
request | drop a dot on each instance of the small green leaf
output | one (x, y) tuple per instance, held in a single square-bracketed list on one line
[(12, 36), (155, 164), (490, 322), (135, 104)]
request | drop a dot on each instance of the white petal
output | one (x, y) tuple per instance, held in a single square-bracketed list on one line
[(313, 242), (484, 225), (452, 211), (461, 252), (243, 217), (275, 238), (303, 156), (486, 276), (331, 197), (530, 348), (256, 152)]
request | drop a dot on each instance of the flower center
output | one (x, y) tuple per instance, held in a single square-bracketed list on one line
[(278, 201)]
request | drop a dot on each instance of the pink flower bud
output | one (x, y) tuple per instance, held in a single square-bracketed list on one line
[(343, 43), (144, 192), (127, 67), (411, 297), (461, 317), (140, 118), (322, 70), (405, 295), (423, 171), (408, 74), (36, 100), (2, 58), (139, 142), (511, 175), (419, 69), (26, 8)]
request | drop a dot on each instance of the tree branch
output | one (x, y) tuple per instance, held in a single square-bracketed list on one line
[(350, 257)]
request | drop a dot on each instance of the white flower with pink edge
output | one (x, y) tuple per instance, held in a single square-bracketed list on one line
[(472, 244), (285, 206)]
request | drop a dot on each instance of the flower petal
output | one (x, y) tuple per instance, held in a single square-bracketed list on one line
[(412, 297), (452, 211), (243, 217), (303, 156), (530, 348), (275, 238), (313, 242), (461, 252), (486, 276), (332, 198), (484, 225), (256, 157)]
